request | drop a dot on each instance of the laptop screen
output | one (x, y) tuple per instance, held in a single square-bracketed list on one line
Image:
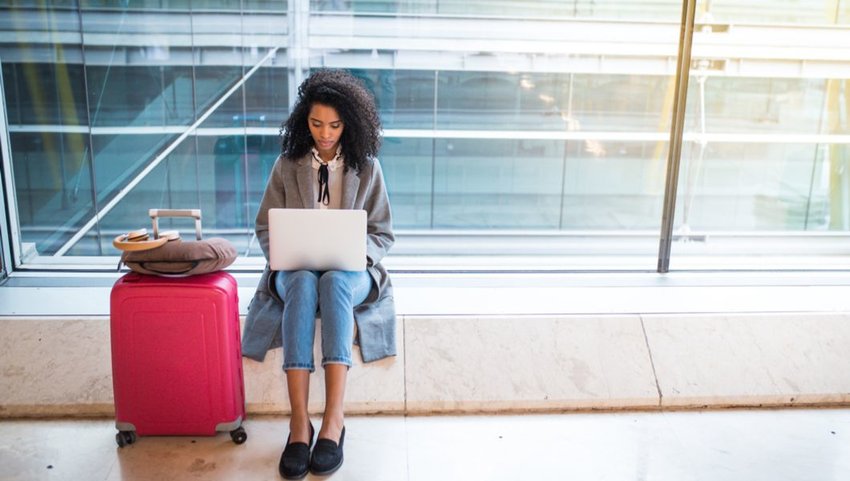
[(317, 239)]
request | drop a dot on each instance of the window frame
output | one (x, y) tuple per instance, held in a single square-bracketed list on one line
[(15, 256)]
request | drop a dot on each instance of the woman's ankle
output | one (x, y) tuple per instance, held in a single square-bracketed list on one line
[(299, 428), (332, 426)]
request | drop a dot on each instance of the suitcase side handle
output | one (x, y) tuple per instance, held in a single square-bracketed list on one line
[(155, 214)]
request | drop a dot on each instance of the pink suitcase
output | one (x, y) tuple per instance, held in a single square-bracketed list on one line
[(176, 356)]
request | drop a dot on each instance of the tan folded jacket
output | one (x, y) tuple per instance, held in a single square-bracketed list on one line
[(178, 258)]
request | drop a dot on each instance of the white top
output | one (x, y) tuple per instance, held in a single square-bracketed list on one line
[(334, 179)]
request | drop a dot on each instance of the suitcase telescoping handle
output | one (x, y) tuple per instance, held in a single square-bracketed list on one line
[(157, 213)]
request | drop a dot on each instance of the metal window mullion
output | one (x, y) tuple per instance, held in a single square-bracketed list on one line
[(195, 104), (821, 129), (674, 154), (88, 154), (566, 153), (434, 148), (563, 184), (298, 19), (10, 229), (245, 184)]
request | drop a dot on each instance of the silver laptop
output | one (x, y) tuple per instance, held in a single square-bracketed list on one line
[(317, 239)]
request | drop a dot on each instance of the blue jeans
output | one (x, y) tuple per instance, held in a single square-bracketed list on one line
[(334, 294)]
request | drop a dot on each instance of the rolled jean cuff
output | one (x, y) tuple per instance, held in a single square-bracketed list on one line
[(299, 365), (336, 360)]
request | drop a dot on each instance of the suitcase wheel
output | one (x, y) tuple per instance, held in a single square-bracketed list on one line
[(239, 435), (124, 438)]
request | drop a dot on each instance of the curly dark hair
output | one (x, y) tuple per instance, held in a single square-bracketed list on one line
[(355, 105)]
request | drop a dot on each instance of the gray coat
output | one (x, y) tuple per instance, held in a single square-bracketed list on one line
[(291, 186)]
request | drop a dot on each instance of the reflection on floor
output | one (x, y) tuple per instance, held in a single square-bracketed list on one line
[(774, 445)]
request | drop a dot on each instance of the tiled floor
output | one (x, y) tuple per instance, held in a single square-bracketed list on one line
[(769, 445)]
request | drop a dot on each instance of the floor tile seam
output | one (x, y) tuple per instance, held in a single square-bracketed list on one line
[(404, 362), (414, 316), (404, 413), (406, 445), (651, 361), (111, 469)]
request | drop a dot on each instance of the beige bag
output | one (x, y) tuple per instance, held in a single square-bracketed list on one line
[(178, 258)]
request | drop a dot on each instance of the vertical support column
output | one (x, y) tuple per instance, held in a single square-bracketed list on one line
[(299, 46), (686, 37)]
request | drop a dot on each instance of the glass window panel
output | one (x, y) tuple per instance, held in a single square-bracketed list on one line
[(136, 4), (131, 86), (764, 155), (756, 105), (46, 3), (620, 103), (53, 20), (138, 65), (434, 182), (263, 30), (614, 185), (408, 171), (484, 183), (53, 187), (479, 100), (120, 158), (228, 193), (12, 89), (405, 98), (210, 84), (61, 103), (510, 81), (413, 104), (222, 185), (93, 244), (216, 5), (46, 106), (267, 99), (234, 171), (159, 96), (170, 185), (231, 113), (261, 151), (777, 11), (269, 5), (750, 187), (245, 5), (559, 102), (667, 9), (549, 9), (830, 197)]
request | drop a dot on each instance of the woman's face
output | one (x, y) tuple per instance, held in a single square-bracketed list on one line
[(326, 128)]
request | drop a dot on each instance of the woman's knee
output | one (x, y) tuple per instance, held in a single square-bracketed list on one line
[(338, 281), (296, 283)]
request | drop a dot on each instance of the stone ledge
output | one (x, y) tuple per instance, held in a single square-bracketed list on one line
[(60, 367), (751, 359)]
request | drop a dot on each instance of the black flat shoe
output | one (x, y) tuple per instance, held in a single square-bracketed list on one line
[(327, 456), (295, 460)]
